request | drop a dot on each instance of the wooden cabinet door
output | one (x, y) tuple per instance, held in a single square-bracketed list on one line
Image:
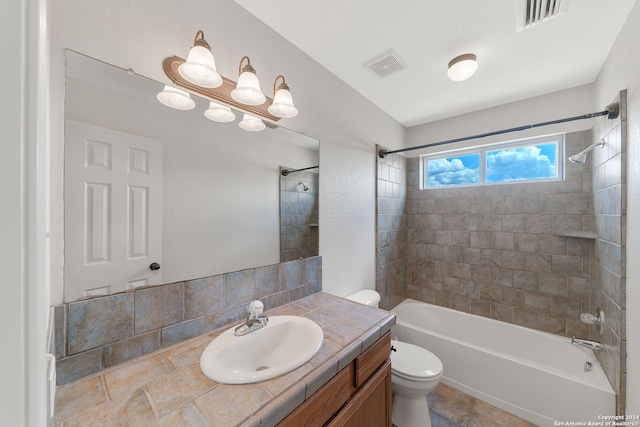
[(320, 407), (370, 406)]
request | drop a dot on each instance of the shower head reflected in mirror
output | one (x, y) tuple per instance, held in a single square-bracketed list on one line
[(581, 157), (304, 187)]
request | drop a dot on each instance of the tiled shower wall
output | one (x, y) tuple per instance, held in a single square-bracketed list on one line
[(500, 251), (97, 333), (391, 232), (608, 264), (299, 231)]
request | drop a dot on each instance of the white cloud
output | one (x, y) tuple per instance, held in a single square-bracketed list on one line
[(444, 172), (518, 164)]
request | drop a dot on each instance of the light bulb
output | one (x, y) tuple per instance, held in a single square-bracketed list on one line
[(282, 105), (200, 67), (175, 98), (247, 89), (219, 113), (252, 123)]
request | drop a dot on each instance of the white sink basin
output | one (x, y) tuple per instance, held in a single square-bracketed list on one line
[(286, 343)]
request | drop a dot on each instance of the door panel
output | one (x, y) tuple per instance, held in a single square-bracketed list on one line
[(110, 243)]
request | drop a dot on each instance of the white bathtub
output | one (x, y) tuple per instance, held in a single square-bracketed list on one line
[(535, 375)]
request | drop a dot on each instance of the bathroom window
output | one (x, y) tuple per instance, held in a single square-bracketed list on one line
[(520, 161)]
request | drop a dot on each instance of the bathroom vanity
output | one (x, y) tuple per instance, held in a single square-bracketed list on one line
[(360, 395), (347, 383)]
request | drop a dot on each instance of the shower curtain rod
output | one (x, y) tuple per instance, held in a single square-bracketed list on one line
[(611, 112), (287, 172)]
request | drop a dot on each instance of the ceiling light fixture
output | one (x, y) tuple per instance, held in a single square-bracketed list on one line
[(247, 89), (200, 67), (176, 98), (251, 123), (462, 67), (219, 113), (282, 105)]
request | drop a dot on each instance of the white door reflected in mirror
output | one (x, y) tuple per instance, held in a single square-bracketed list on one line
[(113, 195)]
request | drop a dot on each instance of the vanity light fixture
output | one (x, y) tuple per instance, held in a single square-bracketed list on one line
[(247, 89), (200, 67), (219, 113), (462, 67), (282, 105), (252, 123), (176, 98), (197, 74)]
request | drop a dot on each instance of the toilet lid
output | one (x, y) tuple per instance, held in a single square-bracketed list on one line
[(414, 363)]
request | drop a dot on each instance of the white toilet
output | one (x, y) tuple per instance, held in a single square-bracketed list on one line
[(366, 296), (415, 371)]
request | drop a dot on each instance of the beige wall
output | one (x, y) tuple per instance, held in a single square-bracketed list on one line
[(565, 103)]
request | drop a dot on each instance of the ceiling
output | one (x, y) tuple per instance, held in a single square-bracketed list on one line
[(556, 54)]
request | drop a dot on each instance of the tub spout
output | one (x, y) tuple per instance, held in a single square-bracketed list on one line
[(593, 345)]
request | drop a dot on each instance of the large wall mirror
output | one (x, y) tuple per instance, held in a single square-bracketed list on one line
[(155, 195)]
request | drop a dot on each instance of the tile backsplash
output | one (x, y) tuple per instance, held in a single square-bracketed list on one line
[(97, 333)]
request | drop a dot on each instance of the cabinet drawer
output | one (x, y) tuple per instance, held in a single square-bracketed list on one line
[(317, 410), (369, 361)]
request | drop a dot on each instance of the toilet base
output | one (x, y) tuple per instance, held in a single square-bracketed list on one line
[(408, 412)]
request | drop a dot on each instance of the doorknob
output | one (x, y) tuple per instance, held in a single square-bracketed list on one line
[(154, 266)]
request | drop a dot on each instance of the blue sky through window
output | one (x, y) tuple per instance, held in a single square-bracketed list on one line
[(523, 163), (526, 163)]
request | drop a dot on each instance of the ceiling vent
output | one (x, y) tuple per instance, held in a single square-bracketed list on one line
[(533, 12), (385, 64)]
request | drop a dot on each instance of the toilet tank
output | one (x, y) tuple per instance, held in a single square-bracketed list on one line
[(365, 296)]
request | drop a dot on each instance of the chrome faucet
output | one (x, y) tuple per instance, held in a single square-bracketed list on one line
[(254, 321), (593, 345)]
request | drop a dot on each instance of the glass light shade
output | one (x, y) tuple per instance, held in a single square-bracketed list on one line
[(219, 113), (247, 90), (251, 123), (282, 105), (200, 68), (462, 67), (176, 98)]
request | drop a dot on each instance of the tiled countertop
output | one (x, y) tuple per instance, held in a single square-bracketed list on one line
[(167, 388)]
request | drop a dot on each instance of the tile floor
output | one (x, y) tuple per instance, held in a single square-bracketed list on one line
[(452, 408)]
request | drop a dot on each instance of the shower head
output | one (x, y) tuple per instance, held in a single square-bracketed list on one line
[(304, 187), (581, 157)]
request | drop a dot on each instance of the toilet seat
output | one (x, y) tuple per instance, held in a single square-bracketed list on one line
[(414, 363)]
